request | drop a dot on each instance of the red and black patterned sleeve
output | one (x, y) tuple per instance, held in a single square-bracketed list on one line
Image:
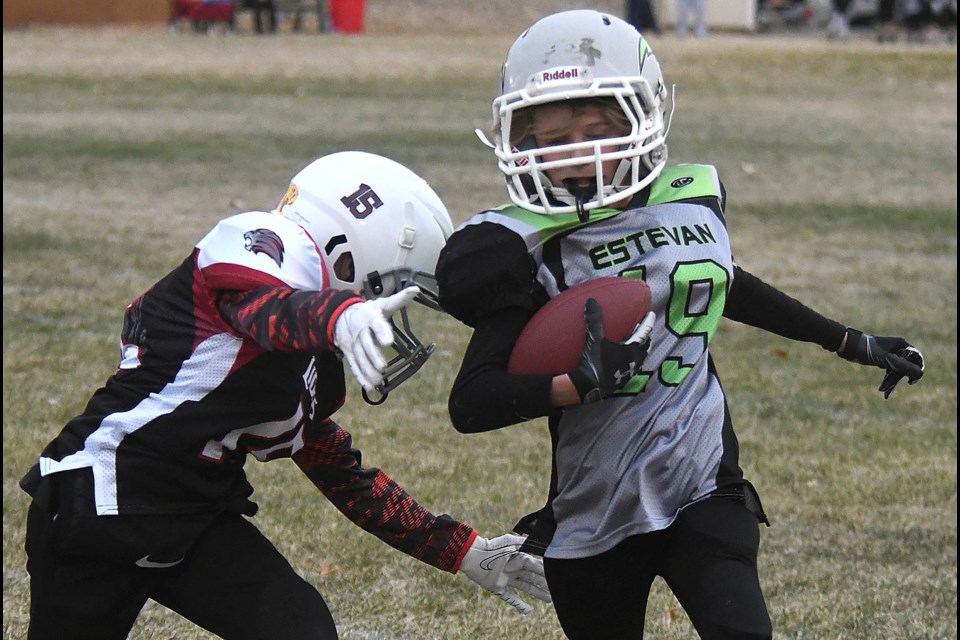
[(375, 502), (285, 319)]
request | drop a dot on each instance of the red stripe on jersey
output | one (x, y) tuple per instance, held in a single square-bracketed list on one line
[(225, 275)]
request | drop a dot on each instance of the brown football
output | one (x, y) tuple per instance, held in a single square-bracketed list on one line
[(552, 342)]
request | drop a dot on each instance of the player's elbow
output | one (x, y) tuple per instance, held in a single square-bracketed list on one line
[(479, 417), (463, 417)]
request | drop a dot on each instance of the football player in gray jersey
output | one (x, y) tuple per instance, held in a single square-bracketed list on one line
[(646, 478)]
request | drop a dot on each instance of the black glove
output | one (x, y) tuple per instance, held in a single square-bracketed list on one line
[(893, 354), (606, 366)]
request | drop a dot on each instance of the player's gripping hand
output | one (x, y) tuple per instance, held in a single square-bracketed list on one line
[(606, 366), (498, 565), (896, 355), (363, 329)]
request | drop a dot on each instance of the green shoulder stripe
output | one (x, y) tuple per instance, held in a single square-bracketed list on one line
[(548, 226), (679, 182), (683, 182)]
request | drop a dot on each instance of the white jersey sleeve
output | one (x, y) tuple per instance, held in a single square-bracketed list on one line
[(258, 248)]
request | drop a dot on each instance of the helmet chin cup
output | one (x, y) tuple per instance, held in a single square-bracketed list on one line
[(582, 191)]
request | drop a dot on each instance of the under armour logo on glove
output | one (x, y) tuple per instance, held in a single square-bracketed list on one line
[(607, 366), (622, 377)]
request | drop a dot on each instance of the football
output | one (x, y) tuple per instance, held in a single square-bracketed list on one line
[(553, 340)]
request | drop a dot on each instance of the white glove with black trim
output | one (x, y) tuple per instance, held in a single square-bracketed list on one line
[(363, 329), (500, 567)]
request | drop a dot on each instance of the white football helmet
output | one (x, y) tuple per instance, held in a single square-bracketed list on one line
[(379, 227), (574, 55)]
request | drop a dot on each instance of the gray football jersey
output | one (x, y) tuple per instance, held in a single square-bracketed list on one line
[(627, 465)]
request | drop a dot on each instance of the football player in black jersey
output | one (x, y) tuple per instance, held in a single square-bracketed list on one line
[(236, 353), (646, 478)]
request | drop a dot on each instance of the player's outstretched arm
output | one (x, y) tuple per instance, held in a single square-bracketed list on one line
[(288, 319), (897, 356)]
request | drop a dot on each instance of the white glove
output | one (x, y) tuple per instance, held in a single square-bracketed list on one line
[(499, 566), (643, 330), (363, 329)]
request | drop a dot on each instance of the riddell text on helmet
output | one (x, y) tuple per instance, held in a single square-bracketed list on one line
[(560, 74)]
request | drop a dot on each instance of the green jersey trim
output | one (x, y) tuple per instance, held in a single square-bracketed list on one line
[(685, 182), (679, 182)]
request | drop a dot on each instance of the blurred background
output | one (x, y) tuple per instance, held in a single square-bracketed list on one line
[(915, 20)]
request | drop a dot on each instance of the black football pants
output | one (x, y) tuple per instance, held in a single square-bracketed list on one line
[(708, 558), (85, 582)]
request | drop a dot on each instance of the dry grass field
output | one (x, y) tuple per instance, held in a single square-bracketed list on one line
[(122, 147)]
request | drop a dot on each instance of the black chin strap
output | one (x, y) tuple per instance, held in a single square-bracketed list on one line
[(581, 193)]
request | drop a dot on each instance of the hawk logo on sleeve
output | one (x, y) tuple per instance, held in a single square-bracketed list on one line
[(266, 242)]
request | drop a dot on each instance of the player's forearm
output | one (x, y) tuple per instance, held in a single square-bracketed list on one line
[(385, 510), (484, 396), (758, 304), (373, 501), (492, 399), (284, 319)]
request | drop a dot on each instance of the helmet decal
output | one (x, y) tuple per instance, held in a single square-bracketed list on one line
[(266, 242), (564, 73), (362, 202), (589, 51), (645, 50), (289, 197)]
